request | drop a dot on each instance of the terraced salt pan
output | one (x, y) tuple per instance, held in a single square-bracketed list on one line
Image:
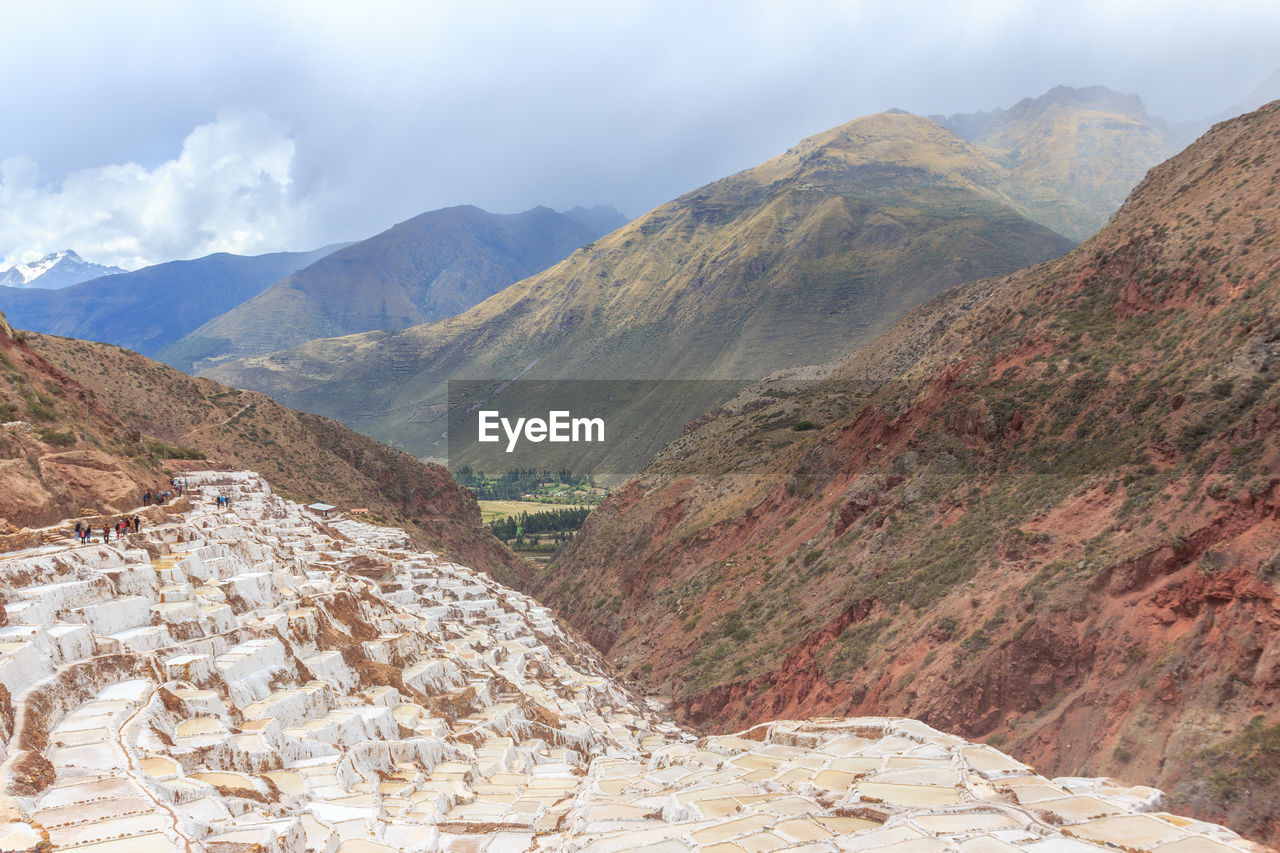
[(273, 699)]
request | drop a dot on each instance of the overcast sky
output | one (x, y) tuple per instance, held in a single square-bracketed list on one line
[(139, 132)]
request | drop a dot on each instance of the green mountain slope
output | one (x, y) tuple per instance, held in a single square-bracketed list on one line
[(432, 266), (798, 260)]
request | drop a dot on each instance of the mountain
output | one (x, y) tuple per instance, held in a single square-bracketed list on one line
[(427, 268), (1085, 147), (1041, 509), (794, 261), (150, 308), (55, 270), (144, 420)]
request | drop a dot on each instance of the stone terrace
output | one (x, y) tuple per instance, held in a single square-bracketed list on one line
[(256, 675)]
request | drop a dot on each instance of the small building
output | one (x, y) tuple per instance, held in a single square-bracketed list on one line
[(322, 510)]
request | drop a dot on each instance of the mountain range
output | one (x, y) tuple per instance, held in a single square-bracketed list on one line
[(432, 266), (148, 309), (797, 260), (1041, 509), (55, 270)]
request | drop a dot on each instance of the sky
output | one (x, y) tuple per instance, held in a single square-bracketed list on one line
[(140, 132)]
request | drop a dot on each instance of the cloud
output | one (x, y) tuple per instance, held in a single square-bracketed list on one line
[(231, 189), (395, 107)]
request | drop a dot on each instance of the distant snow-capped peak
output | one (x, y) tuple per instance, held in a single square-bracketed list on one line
[(55, 270)]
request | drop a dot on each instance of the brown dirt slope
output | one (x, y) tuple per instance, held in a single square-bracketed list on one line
[(146, 420), (1042, 510)]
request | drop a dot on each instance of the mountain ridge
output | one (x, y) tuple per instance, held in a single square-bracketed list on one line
[(432, 265), (795, 260), (55, 270), (1089, 145), (147, 309), (1041, 510)]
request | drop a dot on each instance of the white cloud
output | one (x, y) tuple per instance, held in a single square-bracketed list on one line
[(231, 189), (400, 106)]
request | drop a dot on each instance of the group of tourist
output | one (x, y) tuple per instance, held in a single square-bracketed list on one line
[(129, 524), (177, 485)]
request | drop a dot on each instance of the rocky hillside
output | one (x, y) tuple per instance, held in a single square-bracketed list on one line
[(1043, 510), (795, 261), (1073, 154), (427, 268), (145, 420), (148, 309)]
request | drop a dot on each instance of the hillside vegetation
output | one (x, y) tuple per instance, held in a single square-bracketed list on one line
[(1042, 509), (429, 267), (796, 261)]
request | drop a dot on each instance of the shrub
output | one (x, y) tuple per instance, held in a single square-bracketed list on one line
[(157, 448), (1249, 759), (856, 645), (976, 641), (56, 438)]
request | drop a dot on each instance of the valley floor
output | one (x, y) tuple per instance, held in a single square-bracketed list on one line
[(256, 675)]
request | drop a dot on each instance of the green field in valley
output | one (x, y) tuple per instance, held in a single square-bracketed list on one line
[(494, 510)]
